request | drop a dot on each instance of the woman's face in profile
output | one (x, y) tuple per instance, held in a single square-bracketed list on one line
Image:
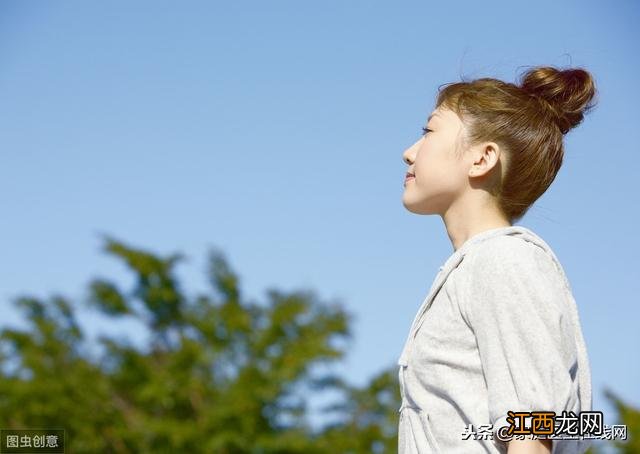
[(440, 176)]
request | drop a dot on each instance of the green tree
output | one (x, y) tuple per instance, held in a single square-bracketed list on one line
[(630, 417), (219, 374)]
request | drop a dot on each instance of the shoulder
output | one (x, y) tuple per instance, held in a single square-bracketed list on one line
[(506, 271), (506, 255), (502, 251)]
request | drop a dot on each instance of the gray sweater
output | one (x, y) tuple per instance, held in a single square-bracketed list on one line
[(498, 331)]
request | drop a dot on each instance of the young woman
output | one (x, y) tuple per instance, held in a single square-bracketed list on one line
[(499, 329)]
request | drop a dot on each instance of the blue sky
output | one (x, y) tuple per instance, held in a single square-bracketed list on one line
[(275, 130)]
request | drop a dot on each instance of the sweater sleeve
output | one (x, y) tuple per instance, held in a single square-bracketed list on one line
[(515, 304)]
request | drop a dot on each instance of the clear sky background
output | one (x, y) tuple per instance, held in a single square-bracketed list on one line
[(275, 130)]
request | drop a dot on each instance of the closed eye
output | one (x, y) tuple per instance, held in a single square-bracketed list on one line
[(425, 131)]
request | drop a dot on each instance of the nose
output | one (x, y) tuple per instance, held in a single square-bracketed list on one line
[(409, 154)]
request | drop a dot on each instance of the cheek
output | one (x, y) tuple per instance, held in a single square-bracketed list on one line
[(437, 171)]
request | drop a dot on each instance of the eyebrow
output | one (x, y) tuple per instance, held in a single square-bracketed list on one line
[(431, 116)]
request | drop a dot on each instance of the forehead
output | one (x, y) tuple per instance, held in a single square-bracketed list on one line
[(444, 115), (434, 115)]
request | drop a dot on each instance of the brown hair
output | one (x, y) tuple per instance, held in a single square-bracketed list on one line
[(527, 120)]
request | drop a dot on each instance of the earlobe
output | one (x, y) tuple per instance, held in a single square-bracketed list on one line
[(477, 169)]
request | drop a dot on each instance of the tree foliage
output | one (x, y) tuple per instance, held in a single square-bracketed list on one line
[(630, 417), (219, 374)]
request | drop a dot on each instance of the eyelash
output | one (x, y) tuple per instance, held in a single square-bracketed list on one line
[(425, 131)]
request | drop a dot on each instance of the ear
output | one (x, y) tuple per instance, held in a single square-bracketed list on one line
[(485, 156)]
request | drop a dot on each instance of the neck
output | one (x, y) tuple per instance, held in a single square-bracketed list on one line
[(464, 220)]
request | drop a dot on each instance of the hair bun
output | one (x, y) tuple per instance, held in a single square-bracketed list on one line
[(569, 92)]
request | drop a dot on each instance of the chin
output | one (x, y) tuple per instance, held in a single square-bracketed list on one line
[(416, 208)]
